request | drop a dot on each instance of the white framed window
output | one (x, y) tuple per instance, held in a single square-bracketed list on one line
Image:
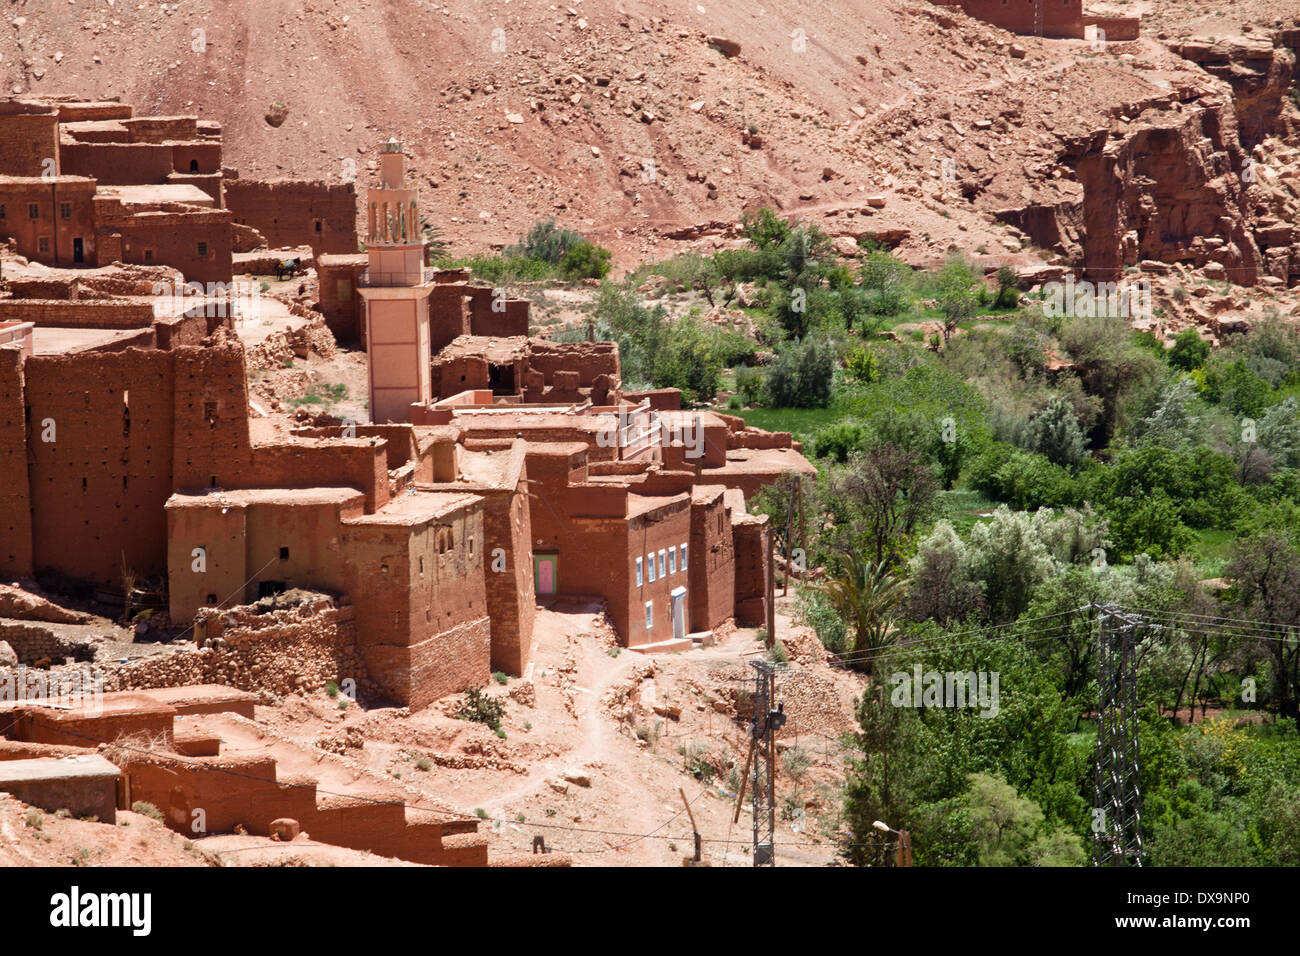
[(682, 549), (649, 614), (650, 560), (638, 572), (672, 560), (663, 557)]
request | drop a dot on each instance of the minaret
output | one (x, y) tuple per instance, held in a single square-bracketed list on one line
[(396, 292)]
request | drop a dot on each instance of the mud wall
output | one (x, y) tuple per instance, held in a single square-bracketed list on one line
[(297, 212)]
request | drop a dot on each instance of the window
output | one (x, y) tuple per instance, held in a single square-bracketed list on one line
[(203, 250), (650, 560), (682, 549), (33, 211), (65, 210), (284, 554), (672, 560), (2, 210), (43, 244), (662, 555), (649, 614), (148, 255), (318, 222), (638, 572)]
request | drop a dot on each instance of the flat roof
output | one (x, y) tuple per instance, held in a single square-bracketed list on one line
[(40, 769), (762, 461), (47, 340), (493, 348), (148, 195), (417, 507), (243, 497), (638, 505)]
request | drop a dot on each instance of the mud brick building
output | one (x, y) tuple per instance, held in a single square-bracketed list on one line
[(292, 212), (501, 471), (90, 183), (1060, 19)]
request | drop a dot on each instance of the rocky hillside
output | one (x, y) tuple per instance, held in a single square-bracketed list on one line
[(645, 124)]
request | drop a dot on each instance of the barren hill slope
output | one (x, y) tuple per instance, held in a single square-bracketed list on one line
[(623, 120)]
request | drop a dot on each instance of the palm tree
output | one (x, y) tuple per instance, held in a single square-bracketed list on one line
[(866, 595)]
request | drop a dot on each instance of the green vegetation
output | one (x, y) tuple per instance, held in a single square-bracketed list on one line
[(481, 708), (546, 251), (1000, 467)]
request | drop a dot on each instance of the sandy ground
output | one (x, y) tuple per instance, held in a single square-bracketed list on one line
[(596, 750)]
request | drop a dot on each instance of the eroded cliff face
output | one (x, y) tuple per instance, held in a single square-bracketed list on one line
[(1259, 69), (1168, 186), (1203, 175)]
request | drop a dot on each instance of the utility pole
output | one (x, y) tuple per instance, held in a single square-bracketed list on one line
[(770, 641), (768, 719), (1117, 807)]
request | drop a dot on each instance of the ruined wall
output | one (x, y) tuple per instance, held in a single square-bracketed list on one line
[(493, 314), (340, 302), (749, 535), (588, 359), (29, 135), (712, 569), (509, 588), (449, 315), (297, 212), (338, 462), (15, 503)]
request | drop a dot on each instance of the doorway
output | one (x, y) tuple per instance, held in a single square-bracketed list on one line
[(677, 607), (546, 569), (78, 250)]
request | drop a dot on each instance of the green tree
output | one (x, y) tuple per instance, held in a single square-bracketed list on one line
[(956, 295), (1190, 350), (866, 595)]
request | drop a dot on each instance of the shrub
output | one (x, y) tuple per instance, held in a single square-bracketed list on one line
[(815, 611), (146, 809), (839, 440), (1190, 350), (885, 282), (751, 385), (1022, 479), (861, 365), (795, 762), (1055, 434), (546, 242), (1008, 296), (586, 261), (802, 375), (1149, 525), (481, 708)]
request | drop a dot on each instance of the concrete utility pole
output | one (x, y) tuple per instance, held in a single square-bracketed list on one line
[(1117, 806), (766, 722)]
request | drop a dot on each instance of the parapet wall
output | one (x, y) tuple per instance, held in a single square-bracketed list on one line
[(68, 314), (29, 135)]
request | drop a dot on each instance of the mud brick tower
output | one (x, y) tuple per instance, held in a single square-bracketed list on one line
[(396, 289)]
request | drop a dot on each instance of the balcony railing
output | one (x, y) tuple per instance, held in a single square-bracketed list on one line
[(373, 280)]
